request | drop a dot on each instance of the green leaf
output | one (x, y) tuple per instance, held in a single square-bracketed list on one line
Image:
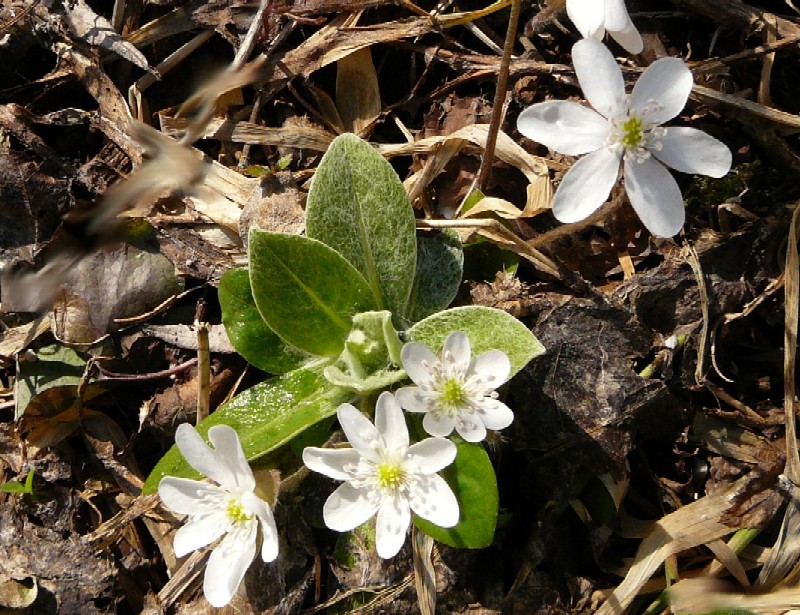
[(440, 267), (249, 334), (371, 357), (14, 486), (357, 205), (487, 329), (55, 366), (305, 291), (265, 416), (472, 479)]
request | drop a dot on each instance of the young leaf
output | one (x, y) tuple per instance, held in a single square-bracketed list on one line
[(305, 291), (358, 206), (249, 334), (265, 416), (440, 267), (472, 479), (487, 329)]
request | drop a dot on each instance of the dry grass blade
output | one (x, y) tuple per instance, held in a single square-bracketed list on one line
[(696, 524), (424, 574), (300, 137), (785, 555), (706, 595)]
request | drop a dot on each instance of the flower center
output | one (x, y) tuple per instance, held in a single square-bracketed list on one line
[(390, 475), (636, 132), (452, 394), (236, 512), (632, 132)]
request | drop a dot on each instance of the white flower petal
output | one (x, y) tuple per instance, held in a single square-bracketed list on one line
[(456, 352), (471, 428), (391, 423), (360, 432), (433, 499), (615, 15), (668, 82), (689, 150), (586, 186), (199, 532), (564, 126), (620, 27), (200, 456), (628, 38), (331, 462), (438, 424), (587, 15), (269, 532), (655, 196), (415, 399), (391, 526), (228, 563), (600, 77), (415, 357), (185, 496), (495, 414), (492, 367), (229, 453), (431, 455), (348, 507)]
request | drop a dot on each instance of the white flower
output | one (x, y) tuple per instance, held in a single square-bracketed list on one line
[(229, 509), (594, 17), (454, 390), (625, 127), (385, 475)]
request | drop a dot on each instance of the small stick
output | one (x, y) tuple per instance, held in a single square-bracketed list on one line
[(499, 97)]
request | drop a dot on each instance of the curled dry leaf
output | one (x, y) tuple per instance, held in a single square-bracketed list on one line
[(96, 30)]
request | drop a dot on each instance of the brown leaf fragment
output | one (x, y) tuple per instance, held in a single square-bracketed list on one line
[(96, 30), (276, 204), (76, 577), (18, 593), (358, 97), (117, 281)]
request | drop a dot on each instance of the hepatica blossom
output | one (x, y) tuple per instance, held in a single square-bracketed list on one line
[(384, 475), (625, 129), (454, 390), (594, 17), (228, 509)]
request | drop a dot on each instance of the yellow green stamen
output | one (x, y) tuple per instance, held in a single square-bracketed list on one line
[(236, 512), (633, 132), (389, 475), (453, 394)]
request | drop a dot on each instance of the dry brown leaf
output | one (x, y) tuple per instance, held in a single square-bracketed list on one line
[(96, 30), (493, 205), (358, 96)]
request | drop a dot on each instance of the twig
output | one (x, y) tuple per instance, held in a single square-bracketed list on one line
[(499, 97)]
